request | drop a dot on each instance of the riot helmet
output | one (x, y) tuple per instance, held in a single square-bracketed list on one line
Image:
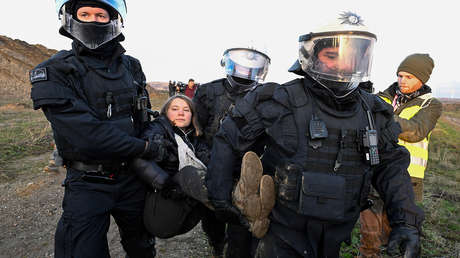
[(339, 55), (91, 34), (244, 67)]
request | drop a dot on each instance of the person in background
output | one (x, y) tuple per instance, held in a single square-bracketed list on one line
[(172, 88), (191, 88), (416, 111)]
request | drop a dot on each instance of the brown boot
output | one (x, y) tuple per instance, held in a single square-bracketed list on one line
[(245, 196), (267, 195), (254, 194)]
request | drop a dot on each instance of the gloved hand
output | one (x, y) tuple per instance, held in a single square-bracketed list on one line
[(172, 191), (150, 173), (406, 239), (157, 148), (226, 212)]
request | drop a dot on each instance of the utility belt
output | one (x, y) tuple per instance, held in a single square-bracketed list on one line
[(100, 173)]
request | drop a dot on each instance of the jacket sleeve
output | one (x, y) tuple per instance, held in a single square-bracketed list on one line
[(391, 179), (421, 124), (74, 120), (244, 126), (166, 147)]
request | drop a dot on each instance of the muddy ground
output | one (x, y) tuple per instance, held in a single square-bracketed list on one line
[(30, 207)]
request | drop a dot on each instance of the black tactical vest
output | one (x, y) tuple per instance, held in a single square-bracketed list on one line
[(220, 103), (327, 179), (110, 94)]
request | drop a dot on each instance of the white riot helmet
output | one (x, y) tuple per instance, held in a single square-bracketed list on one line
[(91, 34), (338, 55), (244, 67)]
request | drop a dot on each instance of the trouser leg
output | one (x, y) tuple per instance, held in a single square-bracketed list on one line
[(417, 185), (128, 214), (82, 229), (215, 231), (239, 241), (273, 247)]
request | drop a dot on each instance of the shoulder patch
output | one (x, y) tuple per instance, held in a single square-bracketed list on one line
[(38, 74)]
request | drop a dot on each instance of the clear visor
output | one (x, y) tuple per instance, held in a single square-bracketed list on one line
[(91, 34), (340, 58), (246, 64), (118, 5)]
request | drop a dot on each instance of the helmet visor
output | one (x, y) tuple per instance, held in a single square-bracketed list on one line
[(340, 58), (118, 5), (246, 64)]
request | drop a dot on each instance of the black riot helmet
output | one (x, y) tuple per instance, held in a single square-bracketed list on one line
[(91, 34), (244, 67), (338, 55)]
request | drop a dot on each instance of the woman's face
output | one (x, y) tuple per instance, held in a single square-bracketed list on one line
[(179, 113)]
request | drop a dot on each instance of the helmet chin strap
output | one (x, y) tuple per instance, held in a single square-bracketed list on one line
[(354, 85), (239, 87)]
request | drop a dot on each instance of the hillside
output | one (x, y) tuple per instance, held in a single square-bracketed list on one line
[(16, 59)]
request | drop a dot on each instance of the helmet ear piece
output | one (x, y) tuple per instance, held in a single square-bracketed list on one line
[(222, 62)]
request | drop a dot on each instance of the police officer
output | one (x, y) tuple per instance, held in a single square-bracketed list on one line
[(244, 68), (94, 97), (326, 141)]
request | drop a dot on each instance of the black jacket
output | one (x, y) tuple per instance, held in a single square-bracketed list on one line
[(88, 98), (212, 101), (269, 111), (161, 128)]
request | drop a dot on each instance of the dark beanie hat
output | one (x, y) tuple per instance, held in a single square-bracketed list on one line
[(420, 65)]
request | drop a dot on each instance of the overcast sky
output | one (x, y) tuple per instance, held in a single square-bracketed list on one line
[(176, 40)]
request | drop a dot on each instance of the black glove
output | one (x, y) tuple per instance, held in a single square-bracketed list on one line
[(157, 148), (406, 239), (172, 191), (226, 212), (150, 173)]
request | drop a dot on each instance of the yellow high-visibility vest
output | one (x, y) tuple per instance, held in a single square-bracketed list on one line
[(418, 150)]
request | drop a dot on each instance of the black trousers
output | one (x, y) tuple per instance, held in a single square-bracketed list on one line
[(82, 229), (294, 235), (214, 230), (240, 242)]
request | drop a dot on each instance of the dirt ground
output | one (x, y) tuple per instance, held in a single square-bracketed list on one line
[(30, 207)]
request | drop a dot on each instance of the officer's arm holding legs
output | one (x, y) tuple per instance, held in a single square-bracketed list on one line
[(244, 126), (393, 183)]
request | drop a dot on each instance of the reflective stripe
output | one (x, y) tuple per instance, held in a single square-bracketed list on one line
[(418, 150)]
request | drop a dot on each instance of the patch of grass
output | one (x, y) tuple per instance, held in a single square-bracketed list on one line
[(23, 132), (350, 251)]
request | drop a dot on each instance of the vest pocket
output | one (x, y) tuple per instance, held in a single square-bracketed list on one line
[(287, 180), (322, 196)]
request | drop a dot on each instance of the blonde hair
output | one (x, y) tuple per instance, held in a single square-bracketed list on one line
[(195, 124)]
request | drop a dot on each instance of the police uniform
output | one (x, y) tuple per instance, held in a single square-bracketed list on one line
[(91, 98), (322, 182), (213, 101)]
